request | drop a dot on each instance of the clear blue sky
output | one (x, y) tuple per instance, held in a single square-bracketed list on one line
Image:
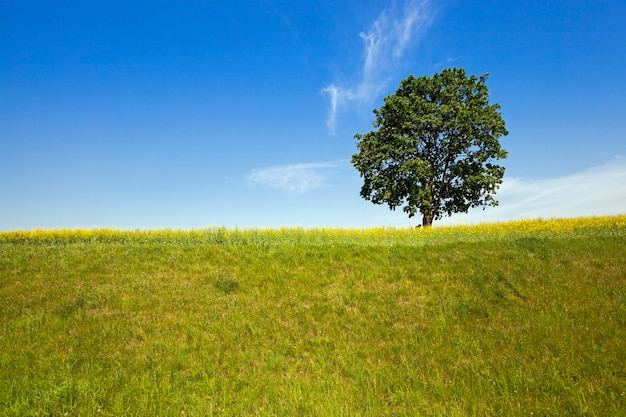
[(190, 114)]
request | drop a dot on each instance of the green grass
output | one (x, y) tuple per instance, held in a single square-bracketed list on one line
[(508, 321)]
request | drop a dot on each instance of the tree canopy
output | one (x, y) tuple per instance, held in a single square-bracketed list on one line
[(434, 147)]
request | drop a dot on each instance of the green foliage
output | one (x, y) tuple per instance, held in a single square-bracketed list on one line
[(434, 147)]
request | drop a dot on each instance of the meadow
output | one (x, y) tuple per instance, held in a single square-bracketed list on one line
[(524, 318)]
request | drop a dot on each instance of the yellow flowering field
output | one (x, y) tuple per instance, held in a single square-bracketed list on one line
[(581, 226)]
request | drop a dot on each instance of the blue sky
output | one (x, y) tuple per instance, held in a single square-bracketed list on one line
[(192, 114)]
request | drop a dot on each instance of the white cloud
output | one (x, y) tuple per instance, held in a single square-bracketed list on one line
[(297, 178), (384, 44), (336, 96), (600, 190)]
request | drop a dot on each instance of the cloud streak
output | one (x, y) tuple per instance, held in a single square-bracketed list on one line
[(596, 191), (384, 44), (296, 178)]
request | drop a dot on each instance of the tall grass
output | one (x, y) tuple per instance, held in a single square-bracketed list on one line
[(523, 318)]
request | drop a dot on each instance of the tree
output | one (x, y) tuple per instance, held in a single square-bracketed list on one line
[(433, 148)]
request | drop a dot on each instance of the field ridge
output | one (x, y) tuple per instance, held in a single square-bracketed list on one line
[(521, 318)]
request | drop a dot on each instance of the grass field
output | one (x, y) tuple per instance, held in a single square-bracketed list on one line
[(516, 319)]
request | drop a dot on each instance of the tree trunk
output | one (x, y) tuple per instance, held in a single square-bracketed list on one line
[(427, 220)]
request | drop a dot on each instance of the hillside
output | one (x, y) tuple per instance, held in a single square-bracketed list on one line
[(523, 318)]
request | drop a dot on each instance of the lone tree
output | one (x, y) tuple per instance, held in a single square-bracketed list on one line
[(433, 148)]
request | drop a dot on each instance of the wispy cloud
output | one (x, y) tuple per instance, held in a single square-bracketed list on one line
[(596, 191), (384, 44), (296, 178)]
